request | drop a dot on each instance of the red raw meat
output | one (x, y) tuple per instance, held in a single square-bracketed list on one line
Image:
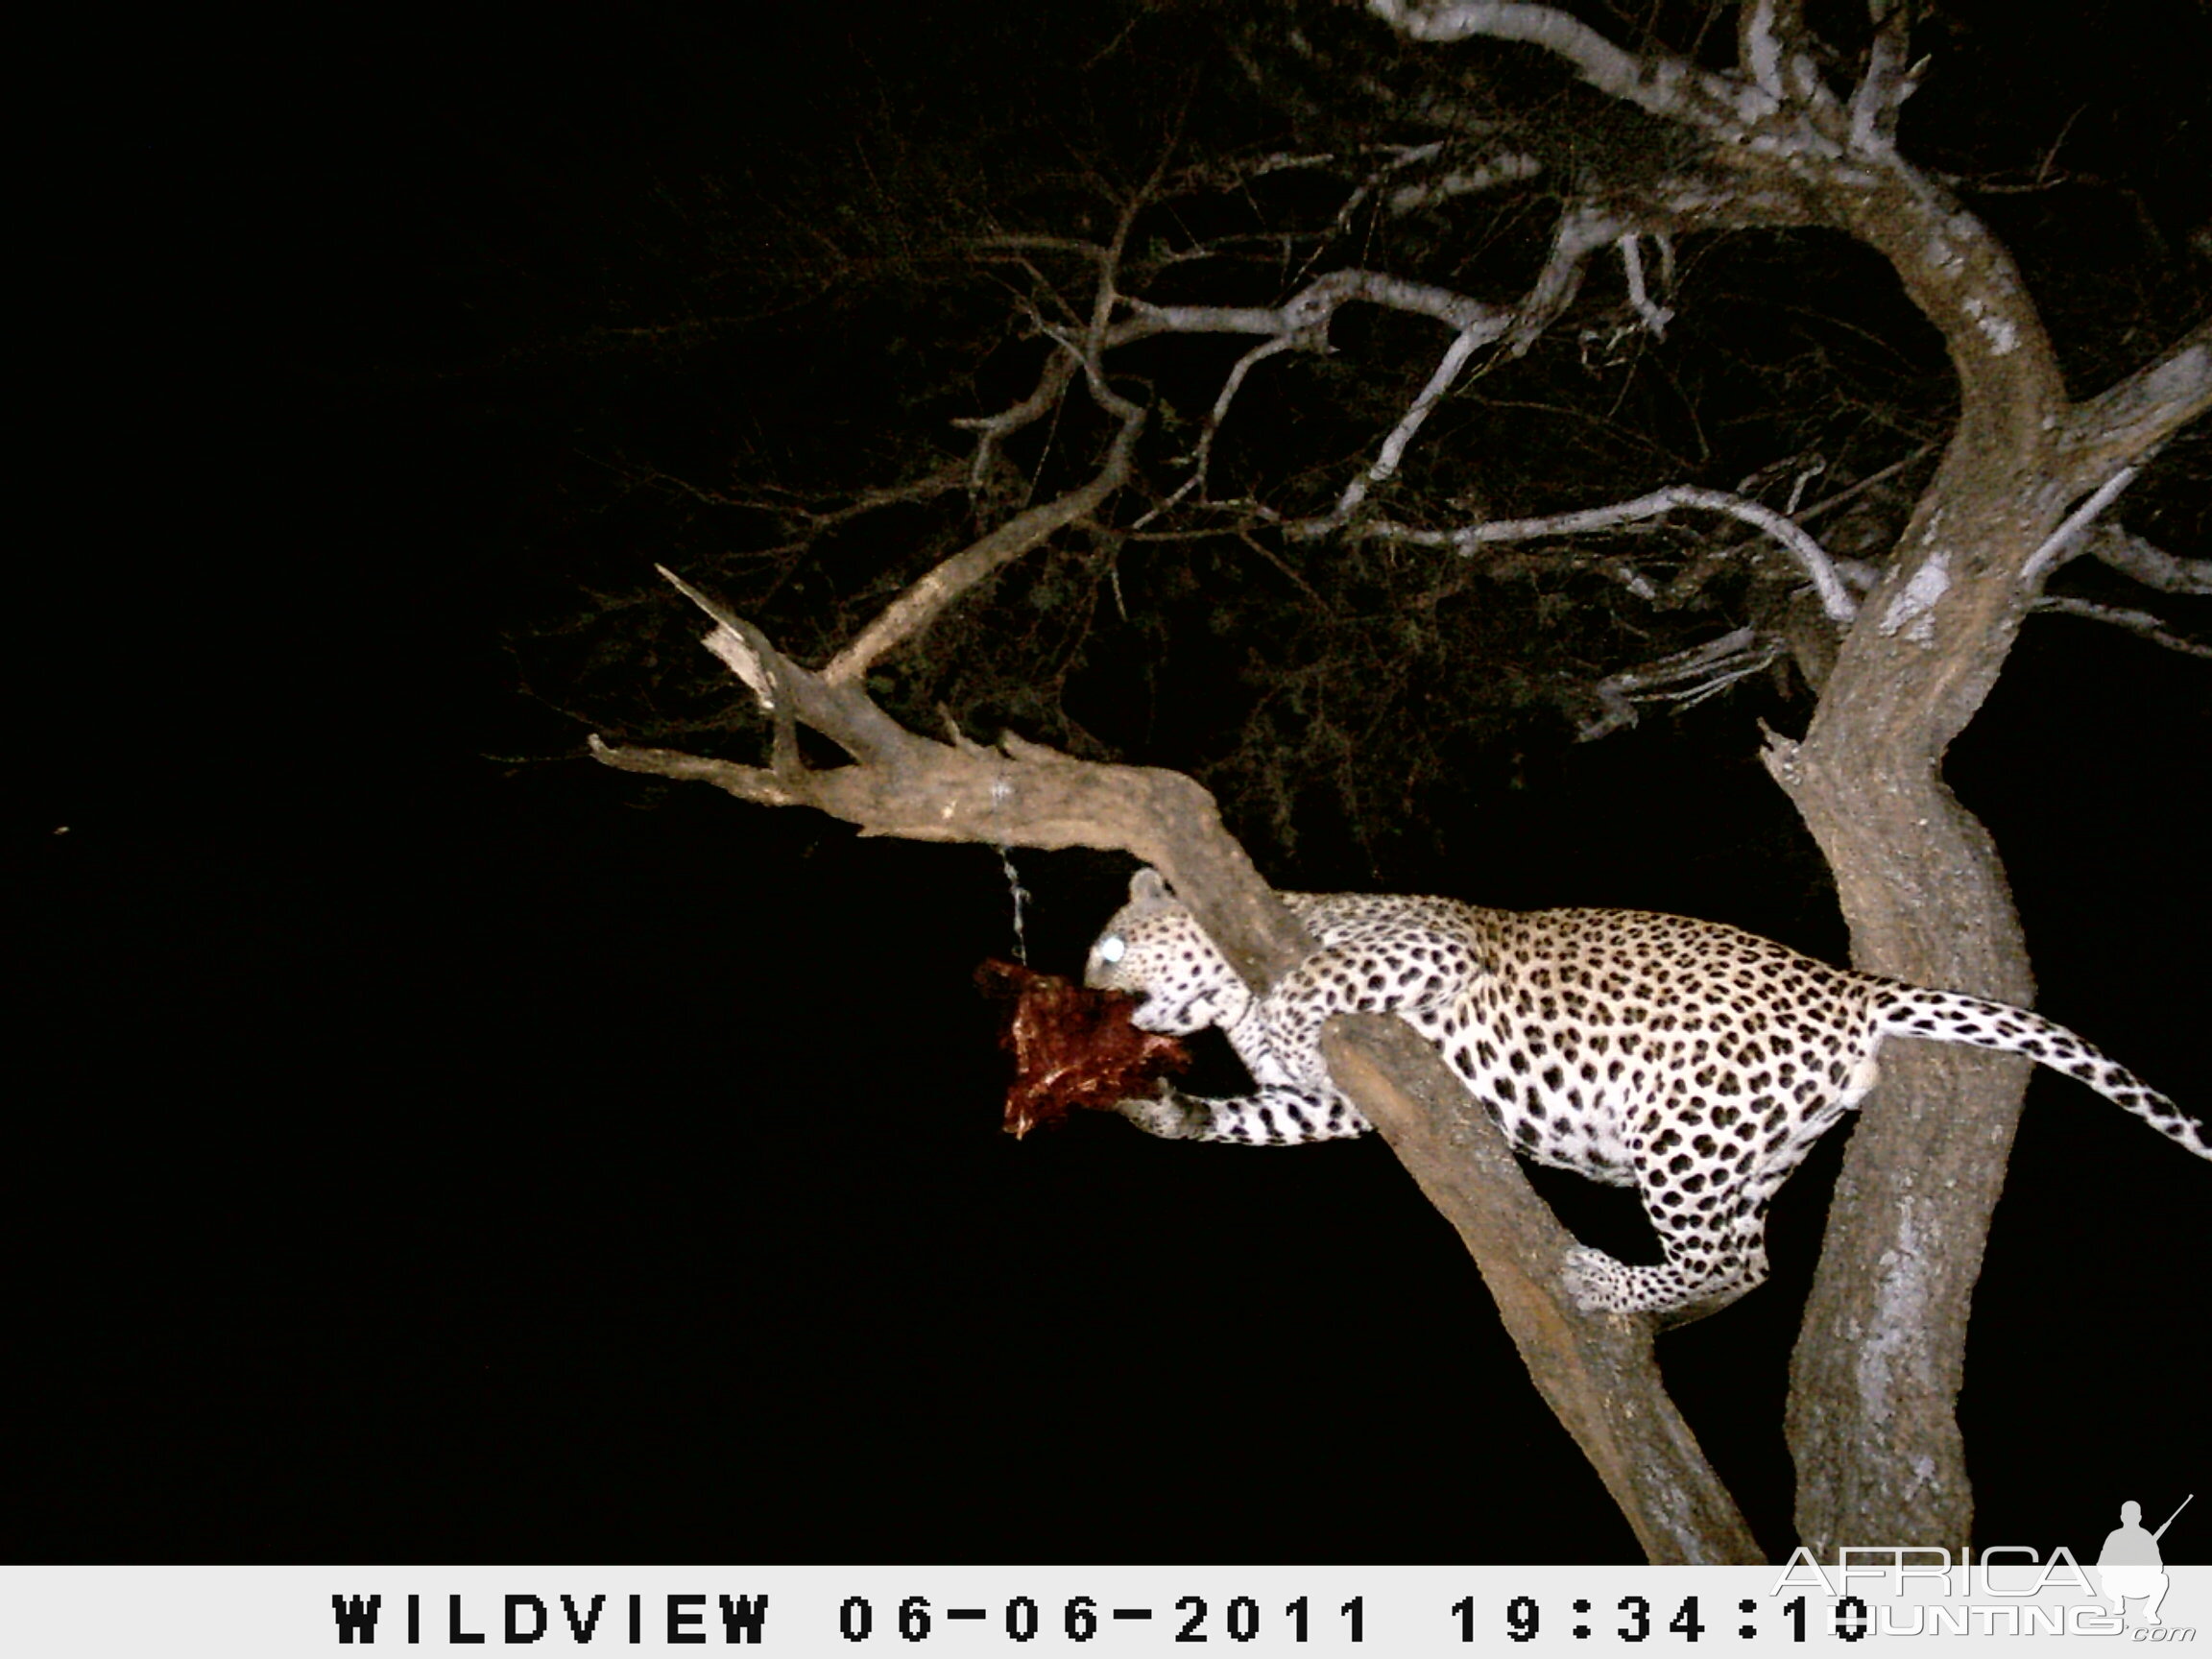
[(1071, 1046)]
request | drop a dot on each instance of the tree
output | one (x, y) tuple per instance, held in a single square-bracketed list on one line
[(1417, 138)]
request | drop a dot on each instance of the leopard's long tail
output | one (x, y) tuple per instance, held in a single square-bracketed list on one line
[(1903, 1010)]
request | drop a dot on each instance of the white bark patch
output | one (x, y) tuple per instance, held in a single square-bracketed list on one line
[(1900, 1312), (1764, 51), (1909, 609), (1753, 106), (1995, 326)]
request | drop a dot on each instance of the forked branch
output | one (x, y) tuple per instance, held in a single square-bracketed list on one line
[(1019, 794), (926, 599)]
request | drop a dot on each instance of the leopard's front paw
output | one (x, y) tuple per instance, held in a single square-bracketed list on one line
[(1170, 1113)]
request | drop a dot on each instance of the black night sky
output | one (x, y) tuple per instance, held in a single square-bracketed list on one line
[(428, 1154)]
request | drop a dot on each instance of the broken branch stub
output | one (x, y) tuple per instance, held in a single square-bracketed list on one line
[(1021, 794)]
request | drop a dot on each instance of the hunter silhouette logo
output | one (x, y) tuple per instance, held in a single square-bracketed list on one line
[(2130, 1566)]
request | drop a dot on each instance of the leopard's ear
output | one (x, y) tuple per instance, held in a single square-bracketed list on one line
[(1148, 890)]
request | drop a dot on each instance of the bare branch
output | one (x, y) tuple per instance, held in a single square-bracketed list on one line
[(1401, 156), (1834, 596), (2151, 628), (1058, 370), (1759, 44), (1024, 242), (920, 605), (1604, 65), (746, 782), (1202, 455), (1655, 316), (1307, 313), (2153, 566), (1455, 358), (2056, 544), (2124, 423), (785, 505), (1303, 322), (992, 430), (1508, 167), (1872, 480), (1888, 83), (926, 600), (1583, 230), (1688, 677)]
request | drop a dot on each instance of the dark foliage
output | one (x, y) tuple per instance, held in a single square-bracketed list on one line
[(751, 348)]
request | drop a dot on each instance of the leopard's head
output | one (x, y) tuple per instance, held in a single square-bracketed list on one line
[(1155, 951)]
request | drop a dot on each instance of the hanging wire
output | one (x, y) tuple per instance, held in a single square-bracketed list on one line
[(1020, 900)]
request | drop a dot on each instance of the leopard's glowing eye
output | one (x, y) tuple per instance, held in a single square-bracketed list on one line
[(1112, 947)]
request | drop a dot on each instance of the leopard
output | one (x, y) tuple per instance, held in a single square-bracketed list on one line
[(1690, 1060)]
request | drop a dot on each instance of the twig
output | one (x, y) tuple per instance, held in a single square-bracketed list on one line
[(1385, 464), (2152, 566), (1688, 677), (2151, 628), (2055, 543)]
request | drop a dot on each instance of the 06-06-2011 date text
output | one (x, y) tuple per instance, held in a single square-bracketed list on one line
[(1521, 1619)]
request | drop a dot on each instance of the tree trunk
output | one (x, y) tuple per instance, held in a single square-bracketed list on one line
[(1875, 1378)]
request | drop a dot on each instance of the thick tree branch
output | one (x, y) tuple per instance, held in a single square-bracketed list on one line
[(1595, 1371), (1019, 795), (1776, 108), (2123, 425), (1601, 63)]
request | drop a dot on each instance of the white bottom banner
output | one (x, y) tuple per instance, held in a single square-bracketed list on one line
[(1876, 1595)]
